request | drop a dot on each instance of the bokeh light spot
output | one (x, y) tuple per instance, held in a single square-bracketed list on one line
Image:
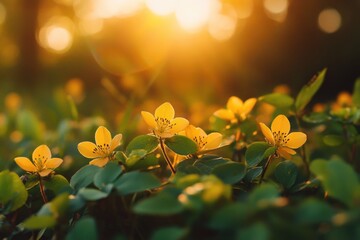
[(276, 6), (223, 25), (161, 7), (192, 15), (329, 20)]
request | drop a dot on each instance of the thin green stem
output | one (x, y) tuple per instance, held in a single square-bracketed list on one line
[(265, 168), (166, 156), (42, 191), (303, 149)]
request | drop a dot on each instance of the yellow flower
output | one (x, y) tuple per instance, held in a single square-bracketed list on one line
[(41, 163), (103, 150), (236, 109), (279, 136), (163, 124), (203, 140)]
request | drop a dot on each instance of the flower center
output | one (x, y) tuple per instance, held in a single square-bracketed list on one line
[(280, 138), (200, 141), (40, 162), (164, 124), (102, 149)]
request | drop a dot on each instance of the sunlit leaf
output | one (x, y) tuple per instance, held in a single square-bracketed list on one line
[(316, 117), (13, 193), (308, 91), (333, 140), (58, 184), (181, 145), (278, 100), (39, 222), (146, 142), (338, 179), (255, 153), (135, 156)]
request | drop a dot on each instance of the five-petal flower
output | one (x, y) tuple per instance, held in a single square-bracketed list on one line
[(41, 163), (236, 109), (163, 124), (280, 137), (204, 141), (103, 149)]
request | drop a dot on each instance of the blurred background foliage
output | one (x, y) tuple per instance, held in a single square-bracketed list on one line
[(62, 61)]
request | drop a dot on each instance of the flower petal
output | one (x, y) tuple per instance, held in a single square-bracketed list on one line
[(267, 133), (149, 119), (234, 103), (178, 124), (224, 114), (213, 140), (281, 124), (284, 152), (191, 132), (42, 152), (45, 172), (25, 164), (53, 163), (165, 110), (296, 139), (102, 136), (248, 106), (88, 150), (100, 162), (115, 142)]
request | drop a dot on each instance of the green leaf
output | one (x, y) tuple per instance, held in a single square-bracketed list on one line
[(313, 211), (90, 194), (356, 93), (228, 217), (58, 184), (338, 179), (316, 117), (333, 140), (248, 126), (207, 163), (252, 174), (107, 175), (278, 100), (181, 145), (255, 153), (286, 173), (39, 222), (146, 142), (162, 204), (230, 173), (257, 231), (84, 176), (29, 125), (308, 91), (135, 156), (85, 228), (30, 180), (146, 162), (13, 193), (187, 166), (59, 205), (169, 233), (133, 182), (263, 195)]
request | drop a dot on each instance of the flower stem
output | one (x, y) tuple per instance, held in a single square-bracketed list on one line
[(42, 191), (166, 156), (266, 167), (303, 150)]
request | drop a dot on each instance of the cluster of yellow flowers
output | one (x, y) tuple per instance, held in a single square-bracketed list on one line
[(163, 124)]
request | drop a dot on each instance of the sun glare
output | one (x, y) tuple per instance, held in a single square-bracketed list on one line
[(161, 7), (329, 20), (192, 15)]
